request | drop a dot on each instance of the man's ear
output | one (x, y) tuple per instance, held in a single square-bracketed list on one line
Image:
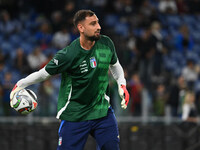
[(80, 27)]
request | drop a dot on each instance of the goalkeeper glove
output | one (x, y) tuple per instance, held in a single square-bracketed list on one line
[(124, 95), (14, 90)]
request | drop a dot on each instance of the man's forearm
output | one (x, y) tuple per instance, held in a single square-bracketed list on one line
[(118, 73), (34, 78)]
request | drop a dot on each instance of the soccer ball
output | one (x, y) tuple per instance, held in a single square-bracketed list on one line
[(24, 101)]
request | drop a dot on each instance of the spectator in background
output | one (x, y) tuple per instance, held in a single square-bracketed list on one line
[(141, 21), (68, 12), (145, 16), (45, 92), (44, 35), (61, 38), (74, 33), (190, 73), (97, 5), (145, 50), (1, 100), (182, 6), (189, 110), (2, 57), (135, 86), (36, 59), (7, 87), (123, 8), (49, 57), (167, 6), (184, 40), (21, 62), (131, 42), (160, 49), (56, 21), (194, 6), (160, 100), (8, 26), (3, 70), (189, 124), (127, 51), (146, 8), (137, 4), (176, 95)]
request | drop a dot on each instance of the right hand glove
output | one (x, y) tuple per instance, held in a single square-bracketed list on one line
[(124, 95), (14, 90)]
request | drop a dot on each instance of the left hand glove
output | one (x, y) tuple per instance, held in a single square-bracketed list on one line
[(124, 95), (14, 90)]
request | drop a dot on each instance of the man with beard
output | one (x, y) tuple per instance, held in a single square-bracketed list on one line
[(83, 102)]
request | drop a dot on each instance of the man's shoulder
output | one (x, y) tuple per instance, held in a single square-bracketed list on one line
[(74, 44), (105, 37), (70, 48), (105, 40)]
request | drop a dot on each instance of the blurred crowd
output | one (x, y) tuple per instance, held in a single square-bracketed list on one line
[(157, 42)]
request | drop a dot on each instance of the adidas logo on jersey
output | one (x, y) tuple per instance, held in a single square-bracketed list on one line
[(55, 61)]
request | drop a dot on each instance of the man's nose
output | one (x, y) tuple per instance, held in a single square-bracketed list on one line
[(98, 26)]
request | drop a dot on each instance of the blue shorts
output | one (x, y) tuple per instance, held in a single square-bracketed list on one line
[(73, 135)]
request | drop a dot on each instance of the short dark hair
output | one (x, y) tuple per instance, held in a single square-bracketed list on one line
[(81, 15)]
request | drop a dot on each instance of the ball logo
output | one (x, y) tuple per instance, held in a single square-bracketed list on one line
[(34, 105), (93, 62)]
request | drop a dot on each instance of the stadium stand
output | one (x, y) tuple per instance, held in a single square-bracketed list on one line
[(127, 23)]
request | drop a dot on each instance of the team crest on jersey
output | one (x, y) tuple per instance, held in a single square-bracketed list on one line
[(93, 62)]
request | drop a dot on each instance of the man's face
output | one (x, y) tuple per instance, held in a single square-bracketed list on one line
[(90, 28)]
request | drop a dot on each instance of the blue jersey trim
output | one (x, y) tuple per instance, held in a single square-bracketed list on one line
[(61, 124)]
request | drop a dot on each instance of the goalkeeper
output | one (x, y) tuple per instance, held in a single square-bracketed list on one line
[(83, 102)]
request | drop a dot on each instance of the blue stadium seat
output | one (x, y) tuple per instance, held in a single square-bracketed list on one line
[(178, 57), (25, 34), (173, 20), (192, 55), (188, 19), (164, 33), (196, 36), (111, 20), (177, 71), (50, 50), (173, 31), (32, 40), (7, 47), (15, 39), (27, 47), (16, 75), (197, 26), (31, 25), (196, 49), (197, 86), (122, 29), (138, 32), (197, 18), (1, 38), (169, 63)]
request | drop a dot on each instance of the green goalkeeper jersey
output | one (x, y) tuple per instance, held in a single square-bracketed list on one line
[(84, 92)]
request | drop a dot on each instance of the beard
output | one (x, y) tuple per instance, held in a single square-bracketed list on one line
[(93, 38)]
